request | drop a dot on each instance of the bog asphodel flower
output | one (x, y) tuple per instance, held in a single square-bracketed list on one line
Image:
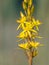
[(23, 35), (36, 23), (27, 29), (30, 45), (21, 21)]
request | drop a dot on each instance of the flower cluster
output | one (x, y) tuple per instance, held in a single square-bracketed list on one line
[(29, 26)]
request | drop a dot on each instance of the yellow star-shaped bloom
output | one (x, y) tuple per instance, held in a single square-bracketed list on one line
[(36, 23), (29, 28), (22, 20), (30, 45), (23, 35), (35, 44)]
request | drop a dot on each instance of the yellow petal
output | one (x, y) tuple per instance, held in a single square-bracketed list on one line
[(23, 19), (39, 37), (18, 21), (26, 34), (34, 31), (37, 44), (37, 28), (21, 35), (38, 22), (23, 45), (18, 27), (22, 15), (22, 26)]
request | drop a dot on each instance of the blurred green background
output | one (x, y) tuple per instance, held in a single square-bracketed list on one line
[(10, 54)]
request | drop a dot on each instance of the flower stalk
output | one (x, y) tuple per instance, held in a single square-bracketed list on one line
[(30, 28)]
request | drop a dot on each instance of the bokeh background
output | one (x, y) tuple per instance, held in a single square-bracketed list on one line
[(10, 54)]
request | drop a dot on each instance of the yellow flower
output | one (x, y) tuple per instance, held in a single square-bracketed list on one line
[(22, 20), (26, 30), (35, 44), (23, 35), (30, 45), (29, 28), (36, 23)]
